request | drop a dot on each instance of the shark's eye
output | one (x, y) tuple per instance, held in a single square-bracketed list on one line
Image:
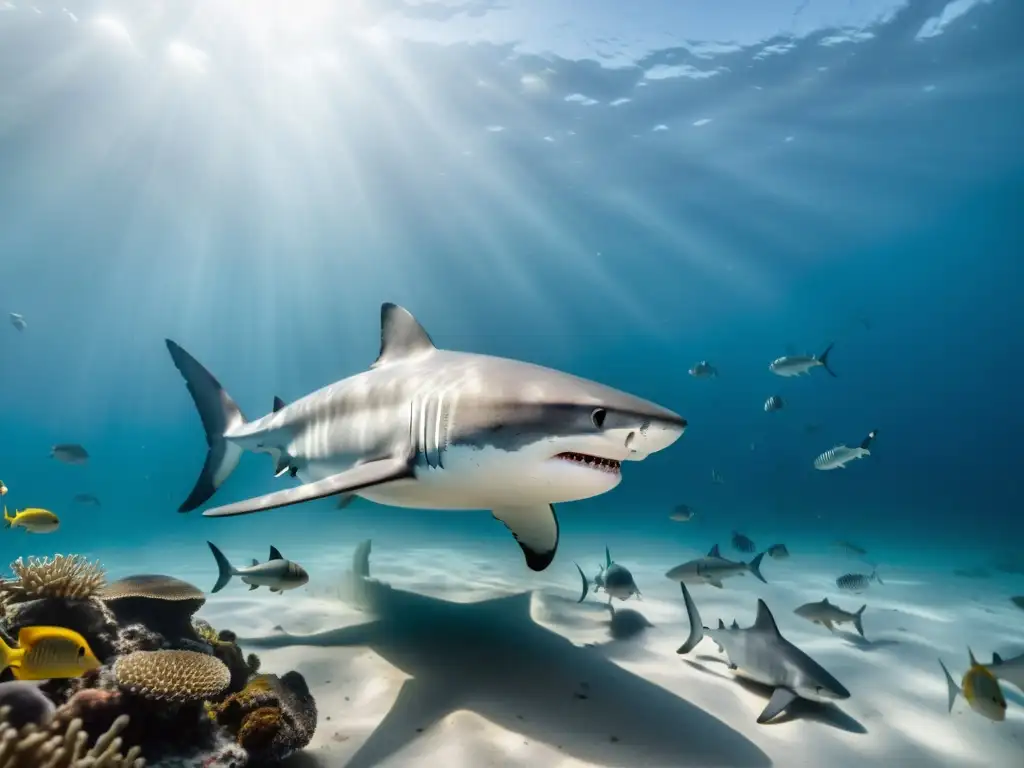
[(598, 417)]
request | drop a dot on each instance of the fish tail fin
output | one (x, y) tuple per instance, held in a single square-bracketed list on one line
[(219, 415), (607, 557), (7, 518), (953, 688), (361, 560), (696, 625), (755, 567), (866, 442), (857, 620), (9, 657), (586, 584), (224, 568), (823, 359), (876, 577)]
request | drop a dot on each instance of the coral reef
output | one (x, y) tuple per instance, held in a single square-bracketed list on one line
[(194, 698), (71, 578), (271, 718), (162, 604), (60, 745)]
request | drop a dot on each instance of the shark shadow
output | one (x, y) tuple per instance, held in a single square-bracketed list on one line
[(863, 643), (491, 658)]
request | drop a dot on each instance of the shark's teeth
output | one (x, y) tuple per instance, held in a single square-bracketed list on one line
[(594, 462)]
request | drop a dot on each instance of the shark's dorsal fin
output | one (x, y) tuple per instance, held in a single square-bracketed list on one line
[(255, 561), (765, 621), (607, 557), (825, 602), (275, 554), (997, 659), (401, 336), (714, 552), (721, 624), (278, 403), (735, 624)]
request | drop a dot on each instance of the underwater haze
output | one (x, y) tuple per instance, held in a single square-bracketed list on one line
[(615, 190)]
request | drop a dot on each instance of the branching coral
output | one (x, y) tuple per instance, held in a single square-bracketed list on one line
[(72, 578), (63, 747)]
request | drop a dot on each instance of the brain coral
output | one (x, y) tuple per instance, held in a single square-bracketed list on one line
[(176, 676)]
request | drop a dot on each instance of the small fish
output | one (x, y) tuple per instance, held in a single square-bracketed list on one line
[(277, 573), (69, 453), (703, 370), (827, 614), (716, 477), (841, 455), (795, 365), (46, 653), (32, 520), (850, 549), (18, 321), (87, 499), (857, 582), (981, 689), (778, 551), (773, 403), (741, 543), (683, 513)]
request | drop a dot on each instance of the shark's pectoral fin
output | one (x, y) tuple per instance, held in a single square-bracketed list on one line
[(254, 586), (420, 705), (715, 583), (781, 698), (282, 464), (360, 476), (536, 530)]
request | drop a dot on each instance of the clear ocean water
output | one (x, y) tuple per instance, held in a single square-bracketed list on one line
[(618, 190)]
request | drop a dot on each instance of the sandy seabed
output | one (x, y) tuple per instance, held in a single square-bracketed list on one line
[(487, 664)]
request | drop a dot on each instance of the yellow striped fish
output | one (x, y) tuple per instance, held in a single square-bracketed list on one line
[(33, 520), (46, 653)]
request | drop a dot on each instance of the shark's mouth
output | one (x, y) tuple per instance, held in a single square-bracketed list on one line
[(592, 462)]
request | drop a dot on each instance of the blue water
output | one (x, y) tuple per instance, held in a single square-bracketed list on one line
[(254, 184)]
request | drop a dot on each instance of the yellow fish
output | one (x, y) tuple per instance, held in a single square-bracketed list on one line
[(980, 688), (46, 653), (33, 520)]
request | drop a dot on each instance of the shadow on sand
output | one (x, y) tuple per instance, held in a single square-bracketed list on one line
[(493, 659), (801, 709), (863, 643)]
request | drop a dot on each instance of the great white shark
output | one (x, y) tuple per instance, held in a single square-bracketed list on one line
[(431, 428)]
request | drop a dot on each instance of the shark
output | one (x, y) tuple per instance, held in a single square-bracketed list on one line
[(430, 428), (493, 659), (613, 578), (712, 568), (760, 653)]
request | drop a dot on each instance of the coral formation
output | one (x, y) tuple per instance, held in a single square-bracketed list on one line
[(72, 578), (271, 718), (162, 604), (63, 746), (174, 676), (88, 617)]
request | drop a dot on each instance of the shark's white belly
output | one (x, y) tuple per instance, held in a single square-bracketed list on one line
[(475, 478)]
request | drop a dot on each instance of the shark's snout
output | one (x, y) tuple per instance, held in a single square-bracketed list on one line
[(653, 435)]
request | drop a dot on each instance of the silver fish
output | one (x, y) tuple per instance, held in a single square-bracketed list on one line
[(87, 499), (683, 513), (827, 614), (773, 403), (18, 321), (796, 365), (742, 543), (841, 455), (778, 551), (277, 573), (69, 453), (703, 370)]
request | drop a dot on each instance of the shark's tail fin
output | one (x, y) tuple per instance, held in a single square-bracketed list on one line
[(953, 688), (696, 625), (224, 569), (875, 576), (361, 560), (755, 567), (586, 584), (219, 415), (857, 620), (823, 359)]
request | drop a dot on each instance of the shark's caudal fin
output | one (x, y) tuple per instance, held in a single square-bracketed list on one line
[(696, 626), (755, 567), (586, 584), (823, 359), (224, 568), (219, 415), (857, 620), (361, 560), (953, 688)]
